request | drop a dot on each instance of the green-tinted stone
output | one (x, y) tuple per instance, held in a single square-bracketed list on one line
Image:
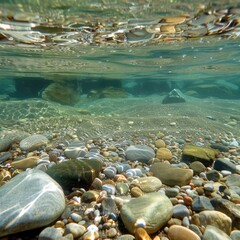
[(75, 173)]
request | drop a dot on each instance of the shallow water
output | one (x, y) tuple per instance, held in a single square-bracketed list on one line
[(117, 49)]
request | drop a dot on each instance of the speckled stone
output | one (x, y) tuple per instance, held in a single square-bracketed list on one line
[(141, 153), (164, 154), (154, 208), (176, 232), (214, 218), (170, 175), (214, 233), (40, 201), (33, 142)]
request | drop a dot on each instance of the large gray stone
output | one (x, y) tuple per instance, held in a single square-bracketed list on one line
[(154, 209), (33, 142), (141, 153), (30, 200)]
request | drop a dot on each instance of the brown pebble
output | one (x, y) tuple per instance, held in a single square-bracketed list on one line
[(176, 232), (187, 200), (141, 234), (25, 163), (136, 192), (160, 143), (164, 154)]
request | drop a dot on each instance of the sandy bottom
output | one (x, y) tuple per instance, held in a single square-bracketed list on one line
[(125, 117)]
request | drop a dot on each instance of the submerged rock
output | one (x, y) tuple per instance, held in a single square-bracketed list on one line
[(40, 201), (175, 96), (204, 155), (153, 210), (75, 173), (171, 175)]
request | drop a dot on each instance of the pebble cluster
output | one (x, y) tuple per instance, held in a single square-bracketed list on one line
[(153, 187)]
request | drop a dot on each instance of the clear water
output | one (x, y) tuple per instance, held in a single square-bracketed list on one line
[(101, 52)]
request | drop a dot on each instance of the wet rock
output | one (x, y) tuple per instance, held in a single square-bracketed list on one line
[(25, 163), (214, 233), (33, 142), (164, 154), (214, 218), (141, 153), (201, 203), (213, 175), (149, 184), (63, 93), (5, 156), (235, 235), (222, 164), (75, 173), (75, 229), (40, 200), (233, 180), (155, 210), (204, 155), (180, 211), (197, 167), (229, 208), (75, 149), (171, 175), (51, 233), (176, 232), (175, 96)]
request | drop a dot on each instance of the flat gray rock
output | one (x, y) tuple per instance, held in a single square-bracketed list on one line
[(152, 209), (141, 153), (33, 142), (30, 200)]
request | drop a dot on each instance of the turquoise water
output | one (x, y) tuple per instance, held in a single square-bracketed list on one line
[(74, 53)]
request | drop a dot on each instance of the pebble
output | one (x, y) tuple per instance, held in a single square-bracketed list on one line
[(170, 175), (213, 175), (171, 192), (122, 188), (214, 218), (149, 184), (44, 203), (134, 172), (176, 232), (222, 164), (197, 167), (76, 217), (110, 172), (180, 211), (214, 233), (111, 233), (235, 235), (164, 154), (76, 149), (154, 209), (51, 233), (33, 142), (25, 163), (201, 203), (75, 173), (75, 229), (110, 189), (141, 153)]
